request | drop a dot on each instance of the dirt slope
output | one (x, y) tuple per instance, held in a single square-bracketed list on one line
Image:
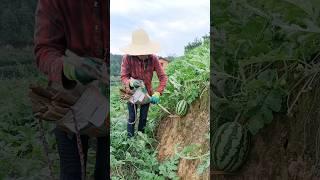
[(187, 130)]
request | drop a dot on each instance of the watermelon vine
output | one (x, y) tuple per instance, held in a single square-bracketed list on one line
[(266, 55)]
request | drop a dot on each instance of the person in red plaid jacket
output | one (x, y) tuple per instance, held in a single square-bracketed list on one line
[(138, 64), (81, 27)]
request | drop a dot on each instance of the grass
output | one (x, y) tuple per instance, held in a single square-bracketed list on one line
[(21, 155)]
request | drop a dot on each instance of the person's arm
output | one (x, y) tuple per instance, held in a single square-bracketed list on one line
[(49, 39), (125, 71), (161, 75)]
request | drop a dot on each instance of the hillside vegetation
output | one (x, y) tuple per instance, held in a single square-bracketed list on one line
[(266, 63)]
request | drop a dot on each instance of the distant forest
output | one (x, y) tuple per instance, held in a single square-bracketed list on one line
[(17, 22), (115, 64)]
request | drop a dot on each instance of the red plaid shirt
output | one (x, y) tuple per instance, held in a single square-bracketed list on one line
[(133, 67), (79, 25)]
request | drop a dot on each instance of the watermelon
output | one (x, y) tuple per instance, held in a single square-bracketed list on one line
[(181, 108), (230, 146)]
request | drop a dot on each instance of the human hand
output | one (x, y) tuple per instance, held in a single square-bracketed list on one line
[(83, 69), (134, 83), (155, 98)]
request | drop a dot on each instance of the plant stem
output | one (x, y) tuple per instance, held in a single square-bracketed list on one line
[(300, 92)]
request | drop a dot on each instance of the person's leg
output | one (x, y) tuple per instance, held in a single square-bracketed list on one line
[(131, 121), (70, 166), (143, 117), (101, 171)]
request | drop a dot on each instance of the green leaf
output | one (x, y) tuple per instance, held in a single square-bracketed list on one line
[(268, 75), (255, 124), (274, 100), (267, 115), (305, 5)]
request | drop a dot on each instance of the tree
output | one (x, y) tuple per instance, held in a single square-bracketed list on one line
[(25, 15), (17, 22), (191, 45), (9, 27), (115, 64)]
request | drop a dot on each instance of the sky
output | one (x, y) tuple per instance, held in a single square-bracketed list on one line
[(172, 23)]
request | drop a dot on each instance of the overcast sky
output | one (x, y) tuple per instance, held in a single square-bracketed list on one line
[(172, 23)]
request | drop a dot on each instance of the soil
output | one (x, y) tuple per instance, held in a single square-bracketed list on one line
[(187, 130), (288, 148)]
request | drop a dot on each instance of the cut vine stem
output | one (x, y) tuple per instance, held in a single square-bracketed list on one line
[(163, 108), (189, 157), (309, 81), (174, 116)]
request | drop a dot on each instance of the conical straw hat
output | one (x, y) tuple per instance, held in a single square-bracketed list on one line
[(141, 44)]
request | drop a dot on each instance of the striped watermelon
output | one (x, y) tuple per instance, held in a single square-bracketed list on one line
[(230, 147), (181, 108)]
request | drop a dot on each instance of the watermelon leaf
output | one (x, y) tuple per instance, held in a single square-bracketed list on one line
[(255, 124), (262, 112), (267, 115), (274, 100)]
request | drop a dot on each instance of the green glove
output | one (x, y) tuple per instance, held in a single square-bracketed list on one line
[(134, 83), (81, 69), (155, 98)]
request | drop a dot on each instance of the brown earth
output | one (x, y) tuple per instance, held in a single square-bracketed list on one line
[(288, 148), (187, 130)]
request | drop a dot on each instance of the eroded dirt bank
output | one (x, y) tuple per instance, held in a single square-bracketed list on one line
[(190, 129)]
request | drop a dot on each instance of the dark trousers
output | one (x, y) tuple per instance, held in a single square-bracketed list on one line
[(70, 166), (132, 116)]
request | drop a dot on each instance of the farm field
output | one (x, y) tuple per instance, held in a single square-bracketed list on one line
[(22, 155), (169, 146)]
